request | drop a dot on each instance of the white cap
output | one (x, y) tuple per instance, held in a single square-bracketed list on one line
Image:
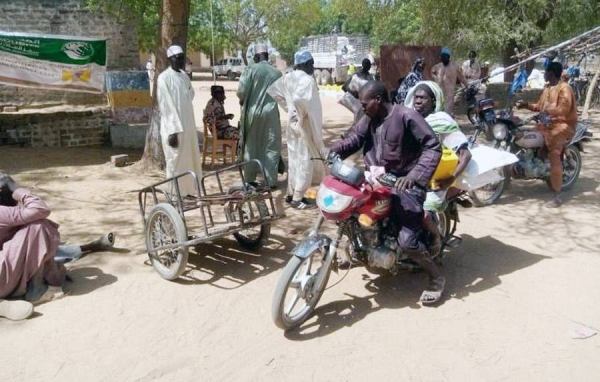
[(174, 50), (260, 48), (302, 56)]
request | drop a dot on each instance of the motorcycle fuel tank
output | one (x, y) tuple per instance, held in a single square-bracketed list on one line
[(531, 140)]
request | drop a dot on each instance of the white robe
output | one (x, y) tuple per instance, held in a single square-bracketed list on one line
[(175, 94), (298, 95)]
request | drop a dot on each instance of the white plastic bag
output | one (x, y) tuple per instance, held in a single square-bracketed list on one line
[(484, 159), (469, 183)]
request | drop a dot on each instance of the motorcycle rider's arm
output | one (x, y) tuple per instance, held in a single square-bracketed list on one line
[(464, 156), (354, 141), (563, 105), (431, 148)]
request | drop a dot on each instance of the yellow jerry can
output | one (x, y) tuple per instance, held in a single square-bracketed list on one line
[(447, 165)]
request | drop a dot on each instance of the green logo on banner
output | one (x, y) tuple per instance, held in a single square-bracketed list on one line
[(78, 50)]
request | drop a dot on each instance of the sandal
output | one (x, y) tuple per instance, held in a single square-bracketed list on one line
[(300, 205), (434, 292), (554, 203)]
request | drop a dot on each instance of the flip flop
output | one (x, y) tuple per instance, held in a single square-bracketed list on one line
[(16, 310), (108, 240), (430, 297)]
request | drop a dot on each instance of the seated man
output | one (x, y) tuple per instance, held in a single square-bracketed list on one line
[(427, 99), (30, 255), (558, 101), (29, 242), (215, 111), (399, 139)]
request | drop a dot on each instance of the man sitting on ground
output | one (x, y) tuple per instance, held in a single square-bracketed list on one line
[(30, 255)]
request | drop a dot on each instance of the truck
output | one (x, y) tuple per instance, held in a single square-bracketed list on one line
[(333, 54)]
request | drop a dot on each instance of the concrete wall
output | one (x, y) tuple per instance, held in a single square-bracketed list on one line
[(56, 129)]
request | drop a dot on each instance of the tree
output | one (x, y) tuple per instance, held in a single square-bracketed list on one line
[(173, 30), (244, 22), (288, 21), (200, 35), (497, 27)]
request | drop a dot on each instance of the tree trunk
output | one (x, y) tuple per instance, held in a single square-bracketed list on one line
[(174, 16), (589, 95), (507, 51)]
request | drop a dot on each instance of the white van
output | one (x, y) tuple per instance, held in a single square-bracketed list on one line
[(230, 67)]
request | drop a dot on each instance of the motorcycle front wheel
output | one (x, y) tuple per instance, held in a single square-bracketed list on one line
[(296, 294)]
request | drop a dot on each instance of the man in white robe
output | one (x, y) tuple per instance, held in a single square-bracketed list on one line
[(178, 132), (298, 95)]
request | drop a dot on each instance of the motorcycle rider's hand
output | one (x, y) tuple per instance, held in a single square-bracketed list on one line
[(404, 183), (172, 140), (520, 104), (324, 152)]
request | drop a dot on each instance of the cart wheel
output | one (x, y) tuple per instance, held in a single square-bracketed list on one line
[(165, 227), (254, 237)]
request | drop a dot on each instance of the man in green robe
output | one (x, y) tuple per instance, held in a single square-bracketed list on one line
[(259, 122)]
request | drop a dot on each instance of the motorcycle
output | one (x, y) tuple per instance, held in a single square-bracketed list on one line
[(362, 213), (480, 111), (510, 134)]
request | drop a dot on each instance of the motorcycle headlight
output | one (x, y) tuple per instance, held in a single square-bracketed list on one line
[(499, 132), (332, 201)]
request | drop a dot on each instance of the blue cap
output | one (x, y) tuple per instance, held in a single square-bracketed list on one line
[(446, 51), (302, 56)]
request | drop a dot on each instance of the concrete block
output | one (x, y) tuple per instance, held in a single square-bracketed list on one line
[(119, 160)]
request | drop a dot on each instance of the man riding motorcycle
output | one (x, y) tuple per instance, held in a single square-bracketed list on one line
[(401, 141), (558, 101)]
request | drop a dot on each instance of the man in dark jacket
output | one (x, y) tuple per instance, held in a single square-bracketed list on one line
[(399, 139)]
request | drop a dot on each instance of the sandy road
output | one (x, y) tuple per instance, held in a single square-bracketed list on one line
[(523, 278)]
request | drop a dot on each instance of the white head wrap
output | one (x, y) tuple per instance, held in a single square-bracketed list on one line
[(435, 88), (260, 48), (174, 50), (302, 56)]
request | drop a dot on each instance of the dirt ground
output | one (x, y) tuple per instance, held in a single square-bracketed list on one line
[(523, 278)]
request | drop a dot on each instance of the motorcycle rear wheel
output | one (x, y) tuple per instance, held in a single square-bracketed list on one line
[(298, 278)]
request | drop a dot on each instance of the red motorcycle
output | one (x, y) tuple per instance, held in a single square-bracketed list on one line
[(362, 213)]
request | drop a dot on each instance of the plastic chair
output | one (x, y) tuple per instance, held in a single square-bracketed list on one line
[(211, 144)]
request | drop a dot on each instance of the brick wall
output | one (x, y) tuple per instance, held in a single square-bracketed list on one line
[(56, 129), (67, 17)]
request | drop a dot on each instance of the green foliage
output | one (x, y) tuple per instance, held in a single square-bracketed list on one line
[(288, 21), (397, 23), (490, 26)]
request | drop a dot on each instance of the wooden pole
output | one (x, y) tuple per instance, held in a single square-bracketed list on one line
[(590, 93)]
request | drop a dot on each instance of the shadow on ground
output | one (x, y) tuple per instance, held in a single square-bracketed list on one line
[(88, 279), (226, 265), (475, 267)]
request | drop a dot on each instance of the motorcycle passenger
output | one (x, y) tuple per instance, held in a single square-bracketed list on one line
[(401, 141), (427, 99), (558, 102)]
